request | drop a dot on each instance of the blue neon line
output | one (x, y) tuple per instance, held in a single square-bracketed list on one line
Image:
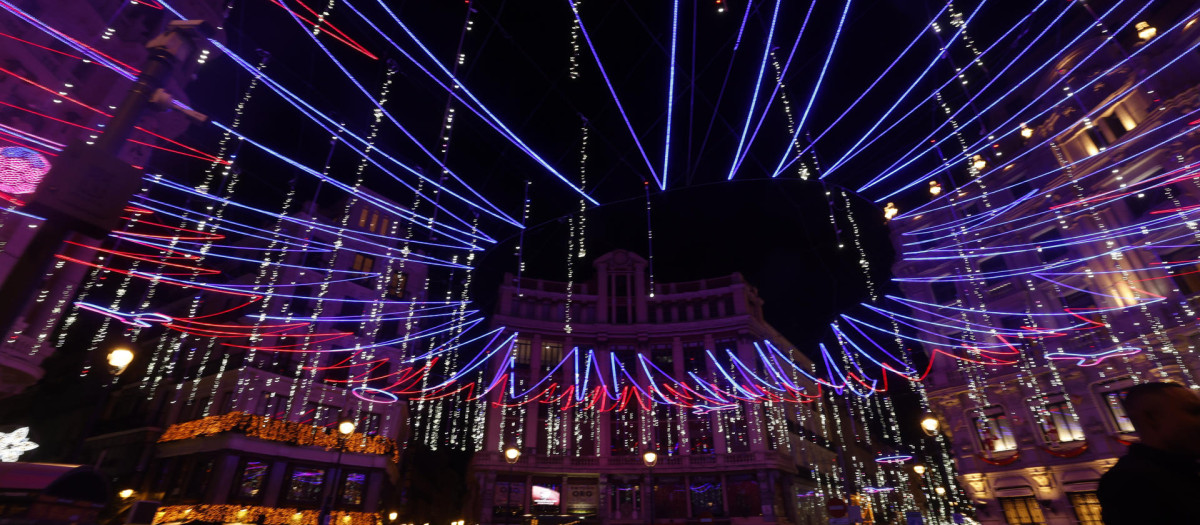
[(820, 78), (1019, 84), (911, 86), (611, 90), (762, 67), (778, 85), (495, 122), (886, 70), (670, 93), (1112, 100)]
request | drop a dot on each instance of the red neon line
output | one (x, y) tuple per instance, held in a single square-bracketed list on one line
[(147, 3), (64, 35), (343, 39), (41, 46), (48, 90)]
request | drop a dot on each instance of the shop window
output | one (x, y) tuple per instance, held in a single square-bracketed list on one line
[(251, 480), (744, 497), (1022, 510), (707, 501), (353, 489), (626, 501), (1087, 507), (670, 498), (304, 485), (198, 479), (546, 496), (508, 500), (995, 431)]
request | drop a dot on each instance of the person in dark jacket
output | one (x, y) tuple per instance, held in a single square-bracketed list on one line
[(1158, 479)]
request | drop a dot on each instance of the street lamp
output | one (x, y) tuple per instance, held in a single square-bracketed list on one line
[(393, 515), (1145, 31), (979, 162), (930, 424), (345, 428), (119, 359), (650, 458), (512, 454), (919, 469)]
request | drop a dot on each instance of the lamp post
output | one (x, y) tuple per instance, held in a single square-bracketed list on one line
[(345, 428), (118, 360), (511, 456), (649, 458), (930, 424)]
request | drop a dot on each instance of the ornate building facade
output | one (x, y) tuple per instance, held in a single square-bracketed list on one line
[(753, 463), (1063, 270)]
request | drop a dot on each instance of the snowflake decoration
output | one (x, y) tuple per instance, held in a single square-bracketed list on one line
[(15, 443)]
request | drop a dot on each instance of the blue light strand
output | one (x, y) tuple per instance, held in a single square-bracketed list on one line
[(1112, 100), (670, 93), (904, 95), (494, 211), (816, 89), (612, 91), (490, 119), (762, 67), (893, 168)]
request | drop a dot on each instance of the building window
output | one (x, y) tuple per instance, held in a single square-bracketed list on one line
[(551, 355), (626, 500), (1116, 409), (1023, 510), (1060, 423), (304, 485), (1087, 507), (995, 431), (1185, 269), (319, 415), (372, 221), (363, 263), (251, 479), (521, 353), (699, 428), (397, 282), (695, 360), (350, 318), (666, 430), (944, 292), (273, 405), (992, 266), (354, 486), (369, 423)]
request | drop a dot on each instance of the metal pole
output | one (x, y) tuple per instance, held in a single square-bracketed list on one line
[(326, 503), (26, 276)]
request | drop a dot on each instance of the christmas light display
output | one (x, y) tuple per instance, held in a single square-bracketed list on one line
[(15, 443), (1000, 221)]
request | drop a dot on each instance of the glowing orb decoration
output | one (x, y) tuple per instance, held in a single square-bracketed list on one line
[(15, 443), (21, 169)]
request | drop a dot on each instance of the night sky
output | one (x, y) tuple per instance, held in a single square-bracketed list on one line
[(777, 232)]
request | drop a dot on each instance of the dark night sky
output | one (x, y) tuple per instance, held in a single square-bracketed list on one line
[(776, 232)]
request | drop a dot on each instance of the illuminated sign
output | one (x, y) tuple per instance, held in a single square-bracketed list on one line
[(545, 496)]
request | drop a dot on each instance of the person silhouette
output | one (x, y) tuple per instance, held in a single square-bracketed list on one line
[(1158, 479)]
